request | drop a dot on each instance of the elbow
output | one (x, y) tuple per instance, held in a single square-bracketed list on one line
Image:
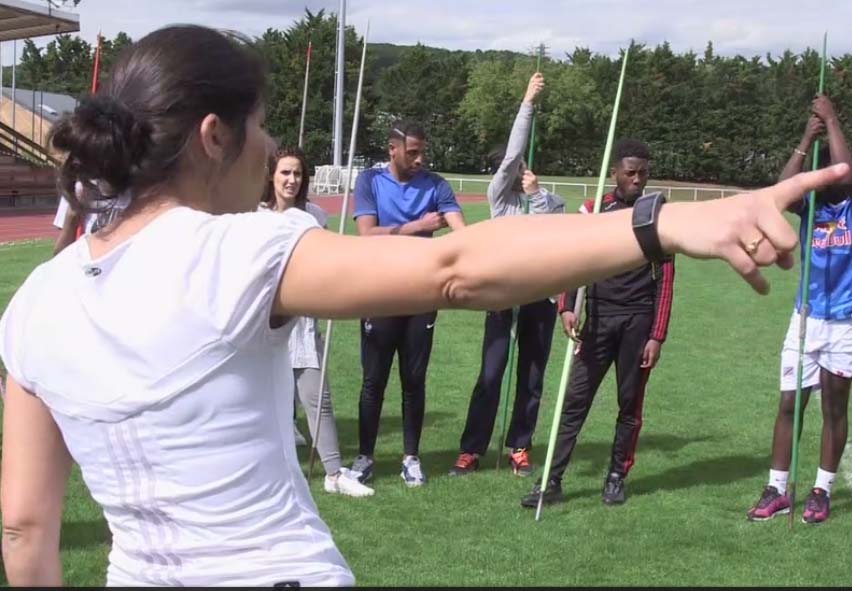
[(455, 287), (29, 522), (21, 529), (24, 538), (457, 294)]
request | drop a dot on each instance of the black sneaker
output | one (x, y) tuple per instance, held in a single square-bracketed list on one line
[(552, 494), (613, 490)]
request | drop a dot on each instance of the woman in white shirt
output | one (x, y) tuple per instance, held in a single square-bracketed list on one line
[(289, 189), (161, 365)]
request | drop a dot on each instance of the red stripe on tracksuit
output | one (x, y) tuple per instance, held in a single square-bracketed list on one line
[(631, 454), (663, 302)]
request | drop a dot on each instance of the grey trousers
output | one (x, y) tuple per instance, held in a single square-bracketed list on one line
[(307, 390)]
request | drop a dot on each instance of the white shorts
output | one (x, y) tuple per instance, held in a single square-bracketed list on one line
[(828, 345)]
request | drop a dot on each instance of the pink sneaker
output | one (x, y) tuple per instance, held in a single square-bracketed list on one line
[(817, 507), (771, 504)]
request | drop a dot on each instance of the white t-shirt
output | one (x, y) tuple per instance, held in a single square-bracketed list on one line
[(183, 423), (304, 343)]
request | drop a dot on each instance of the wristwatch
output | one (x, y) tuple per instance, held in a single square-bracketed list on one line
[(646, 212)]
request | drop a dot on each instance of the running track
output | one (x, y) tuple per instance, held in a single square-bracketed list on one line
[(30, 224)]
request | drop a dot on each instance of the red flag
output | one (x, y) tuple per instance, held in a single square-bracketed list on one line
[(95, 80), (96, 73)]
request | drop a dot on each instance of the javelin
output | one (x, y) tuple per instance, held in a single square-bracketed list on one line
[(581, 296), (305, 97), (806, 307), (510, 366), (343, 213)]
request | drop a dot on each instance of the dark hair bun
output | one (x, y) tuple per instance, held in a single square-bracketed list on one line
[(103, 140)]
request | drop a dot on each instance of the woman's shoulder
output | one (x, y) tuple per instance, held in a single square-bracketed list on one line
[(318, 212)]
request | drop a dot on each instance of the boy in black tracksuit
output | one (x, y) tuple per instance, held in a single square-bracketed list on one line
[(627, 318)]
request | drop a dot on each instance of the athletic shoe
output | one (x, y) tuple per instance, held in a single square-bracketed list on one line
[(412, 471), (771, 504), (817, 507), (362, 468), (552, 494), (345, 483), (613, 490), (466, 464), (520, 460), (300, 439)]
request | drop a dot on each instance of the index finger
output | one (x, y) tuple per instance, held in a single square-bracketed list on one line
[(788, 192)]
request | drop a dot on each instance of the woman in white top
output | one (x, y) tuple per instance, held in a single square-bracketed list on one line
[(161, 365), (289, 189)]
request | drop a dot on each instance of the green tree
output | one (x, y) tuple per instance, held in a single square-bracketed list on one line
[(427, 86), (285, 53)]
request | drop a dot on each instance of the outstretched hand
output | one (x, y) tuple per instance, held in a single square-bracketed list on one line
[(748, 230)]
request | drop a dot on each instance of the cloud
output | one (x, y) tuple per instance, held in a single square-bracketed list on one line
[(746, 27)]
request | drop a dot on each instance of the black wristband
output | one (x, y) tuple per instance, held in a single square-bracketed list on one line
[(646, 212)]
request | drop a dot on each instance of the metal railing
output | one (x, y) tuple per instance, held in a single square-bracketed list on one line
[(678, 193), (23, 147)]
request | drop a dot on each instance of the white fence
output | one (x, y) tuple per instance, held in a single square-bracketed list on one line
[(586, 190), (331, 180)]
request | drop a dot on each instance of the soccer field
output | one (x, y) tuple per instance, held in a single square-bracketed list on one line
[(702, 460)]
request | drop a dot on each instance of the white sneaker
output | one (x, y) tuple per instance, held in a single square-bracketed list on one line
[(300, 439), (412, 471), (345, 483)]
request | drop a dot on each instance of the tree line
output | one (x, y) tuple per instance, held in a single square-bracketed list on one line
[(706, 117)]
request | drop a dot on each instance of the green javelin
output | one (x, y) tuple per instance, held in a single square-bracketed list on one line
[(578, 306), (806, 307), (510, 366)]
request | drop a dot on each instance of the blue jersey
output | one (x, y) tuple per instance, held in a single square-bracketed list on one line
[(830, 292), (378, 193)]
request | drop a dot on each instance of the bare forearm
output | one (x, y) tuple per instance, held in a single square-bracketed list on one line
[(796, 162), (408, 229), (31, 559), (455, 220), (837, 145), (66, 237), (495, 272)]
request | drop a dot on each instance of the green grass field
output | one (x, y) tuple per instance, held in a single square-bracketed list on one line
[(702, 461)]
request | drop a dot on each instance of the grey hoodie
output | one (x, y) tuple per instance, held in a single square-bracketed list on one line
[(502, 198)]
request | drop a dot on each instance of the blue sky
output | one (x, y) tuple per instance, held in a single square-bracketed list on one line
[(747, 27)]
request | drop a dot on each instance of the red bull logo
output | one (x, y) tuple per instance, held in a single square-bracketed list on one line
[(831, 234)]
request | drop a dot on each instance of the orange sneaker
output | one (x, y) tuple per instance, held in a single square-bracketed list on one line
[(466, 464), (520, 459)]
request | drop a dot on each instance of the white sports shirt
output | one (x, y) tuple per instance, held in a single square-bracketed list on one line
[(175, 397)]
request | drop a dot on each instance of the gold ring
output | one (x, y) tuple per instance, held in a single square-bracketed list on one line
[(751, 247)]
